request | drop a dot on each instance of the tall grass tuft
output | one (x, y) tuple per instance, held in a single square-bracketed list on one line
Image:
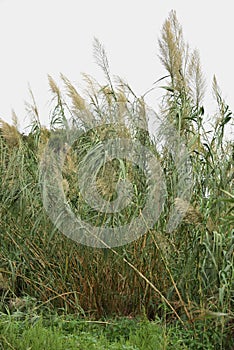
[(184, 275)]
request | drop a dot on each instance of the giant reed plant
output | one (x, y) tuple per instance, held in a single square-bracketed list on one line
[(185, 274)]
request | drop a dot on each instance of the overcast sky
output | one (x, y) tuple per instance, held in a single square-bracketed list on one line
[(52, 36)]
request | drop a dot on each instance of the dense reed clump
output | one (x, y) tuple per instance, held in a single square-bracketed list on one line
[(184, 274)]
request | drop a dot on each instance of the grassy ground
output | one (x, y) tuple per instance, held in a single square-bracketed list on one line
[(37, 332)]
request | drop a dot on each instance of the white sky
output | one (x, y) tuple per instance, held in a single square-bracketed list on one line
[(52, 36)]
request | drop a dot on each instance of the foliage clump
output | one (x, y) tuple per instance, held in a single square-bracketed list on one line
[(186, 274)]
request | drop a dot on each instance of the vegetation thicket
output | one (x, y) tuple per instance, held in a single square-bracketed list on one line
[(185, 275)]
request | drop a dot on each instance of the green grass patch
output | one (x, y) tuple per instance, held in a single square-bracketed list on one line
[(21, 332)]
